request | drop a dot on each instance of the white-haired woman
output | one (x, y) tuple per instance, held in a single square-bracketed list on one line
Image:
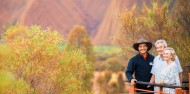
[(161, 45), (169, 74)]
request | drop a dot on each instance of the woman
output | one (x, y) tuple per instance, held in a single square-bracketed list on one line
[(170, 75)]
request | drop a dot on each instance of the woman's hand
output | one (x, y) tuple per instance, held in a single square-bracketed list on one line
[(161, 82)]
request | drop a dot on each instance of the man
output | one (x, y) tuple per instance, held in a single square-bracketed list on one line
[(158, 61), (141, 64)]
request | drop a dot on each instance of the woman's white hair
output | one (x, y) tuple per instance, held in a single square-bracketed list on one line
[(162, 42), (172, 52)]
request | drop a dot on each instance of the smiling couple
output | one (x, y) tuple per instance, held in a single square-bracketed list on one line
[(164, 68)]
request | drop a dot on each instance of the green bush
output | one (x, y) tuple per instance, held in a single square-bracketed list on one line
[(10, 84)]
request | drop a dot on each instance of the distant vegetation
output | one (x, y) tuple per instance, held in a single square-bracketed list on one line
[(109, 50)]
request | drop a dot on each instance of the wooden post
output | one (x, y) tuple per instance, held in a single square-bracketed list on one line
[(160, 90), (132, 90), (178, 90), (186, 92), (189, 82)]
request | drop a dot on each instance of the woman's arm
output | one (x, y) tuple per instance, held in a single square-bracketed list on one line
[(176, 75), (180, 77)]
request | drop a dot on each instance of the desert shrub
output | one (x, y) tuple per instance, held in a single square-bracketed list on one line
[(38, 64), (79, 39)]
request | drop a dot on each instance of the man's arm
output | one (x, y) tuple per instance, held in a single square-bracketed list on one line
[(129, 72)]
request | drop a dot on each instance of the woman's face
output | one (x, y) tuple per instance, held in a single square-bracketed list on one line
[(167, 55)]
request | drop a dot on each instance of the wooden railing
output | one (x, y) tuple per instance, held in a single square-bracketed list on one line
[(178, 89)]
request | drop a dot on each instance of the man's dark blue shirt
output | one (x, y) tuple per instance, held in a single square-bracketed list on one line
[(141, 68)]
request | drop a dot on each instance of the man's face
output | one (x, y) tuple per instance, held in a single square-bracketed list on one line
[(160, 48), (142, 48)]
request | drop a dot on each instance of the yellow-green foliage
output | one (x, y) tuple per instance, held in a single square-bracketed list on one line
[(182, 14), (34, 52), (21, 87), (32, 45), (78, 39), (6, 79), (9, 84), (5, 56), (38, 64), (73, 66)]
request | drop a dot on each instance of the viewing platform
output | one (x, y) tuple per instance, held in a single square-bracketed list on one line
[(178, 89)]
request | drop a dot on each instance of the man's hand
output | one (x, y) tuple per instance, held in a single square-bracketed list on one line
[(148, 86), (133, 81)]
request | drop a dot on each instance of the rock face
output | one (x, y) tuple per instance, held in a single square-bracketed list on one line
[(98, 16)]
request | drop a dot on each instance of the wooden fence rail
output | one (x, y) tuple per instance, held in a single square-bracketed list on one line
[(178, 89)]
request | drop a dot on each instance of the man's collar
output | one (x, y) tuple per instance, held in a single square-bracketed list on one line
[(144, 56)]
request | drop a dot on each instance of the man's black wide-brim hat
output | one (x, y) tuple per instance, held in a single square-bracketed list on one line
[(142, 41)]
